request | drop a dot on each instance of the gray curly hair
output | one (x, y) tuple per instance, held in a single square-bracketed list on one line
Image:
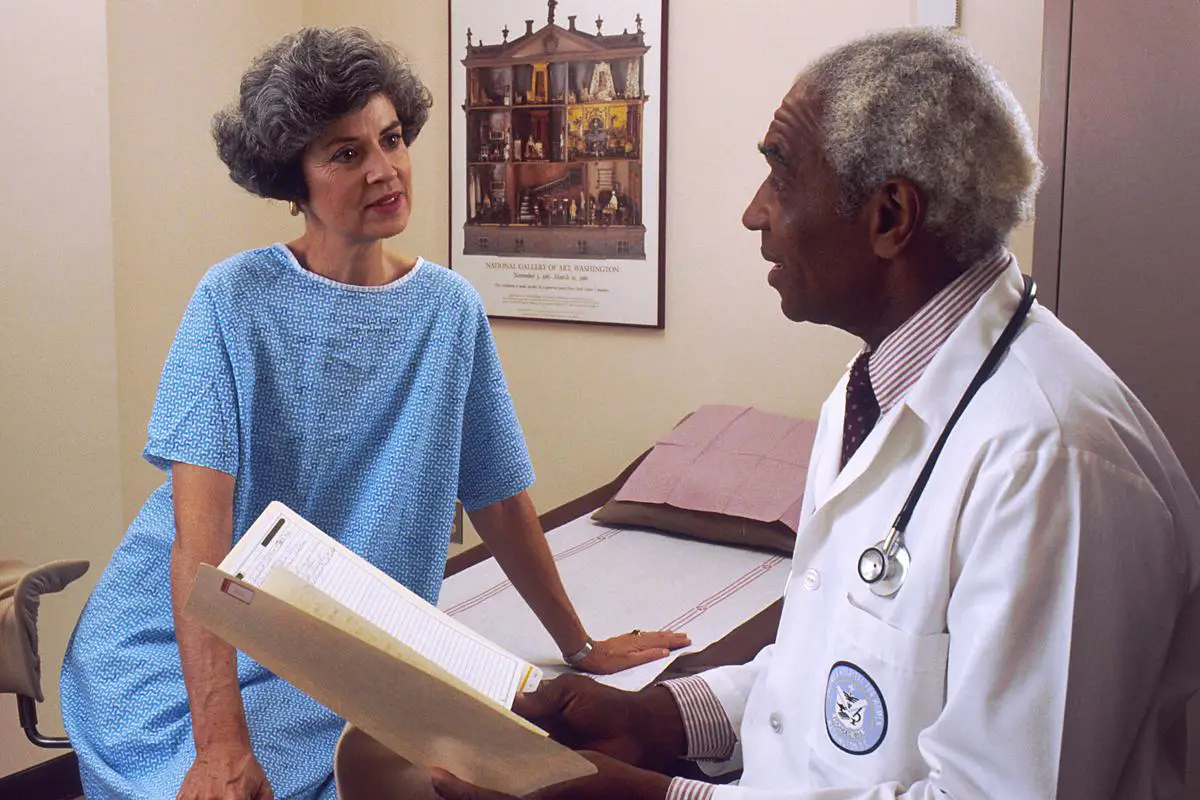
[(918, 103), (295, 89)]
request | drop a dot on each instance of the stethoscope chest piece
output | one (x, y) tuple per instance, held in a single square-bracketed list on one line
[(884, 566)]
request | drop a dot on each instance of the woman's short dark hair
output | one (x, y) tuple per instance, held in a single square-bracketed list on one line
[(295, 89)]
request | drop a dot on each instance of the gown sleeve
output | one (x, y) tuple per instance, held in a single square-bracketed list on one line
[(195, 419), (495, 461)]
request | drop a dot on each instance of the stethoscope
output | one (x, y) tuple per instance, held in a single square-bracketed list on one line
[(884, 565)]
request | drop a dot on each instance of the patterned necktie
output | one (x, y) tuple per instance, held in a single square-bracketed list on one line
[(862, 409)]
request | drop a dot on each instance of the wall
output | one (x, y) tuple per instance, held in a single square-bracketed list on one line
[(1009, 36), (724, 341), (172, 65), (607, 392), (117, 196), (59, 491), (113, 204)]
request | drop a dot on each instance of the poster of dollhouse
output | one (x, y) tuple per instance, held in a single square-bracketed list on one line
[(557, 132)]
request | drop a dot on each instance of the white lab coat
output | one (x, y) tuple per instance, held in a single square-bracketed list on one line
[(1032, 651)]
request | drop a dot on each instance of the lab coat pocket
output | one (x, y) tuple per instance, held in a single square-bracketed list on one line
[(884, 686)]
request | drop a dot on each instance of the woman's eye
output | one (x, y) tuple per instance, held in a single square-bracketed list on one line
[(345, 155), (392, 140)]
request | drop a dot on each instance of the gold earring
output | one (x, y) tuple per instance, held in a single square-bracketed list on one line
[(294, 208)]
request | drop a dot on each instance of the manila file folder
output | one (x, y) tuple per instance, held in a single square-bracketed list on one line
[(405, 702)]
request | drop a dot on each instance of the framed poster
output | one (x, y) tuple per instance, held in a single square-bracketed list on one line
[(558, 123)]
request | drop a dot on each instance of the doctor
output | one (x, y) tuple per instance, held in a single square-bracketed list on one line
[(1027, 635)]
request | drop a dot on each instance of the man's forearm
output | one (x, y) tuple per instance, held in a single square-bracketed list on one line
[(662, 726)]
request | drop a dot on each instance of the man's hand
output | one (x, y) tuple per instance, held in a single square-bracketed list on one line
[(226, 772), (612, 780), (631, 650), (639, 728)]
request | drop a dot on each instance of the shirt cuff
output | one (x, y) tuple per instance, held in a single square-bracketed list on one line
[(683, 789), (709, 733)]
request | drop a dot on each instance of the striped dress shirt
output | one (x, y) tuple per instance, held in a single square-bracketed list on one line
[(894, 367)]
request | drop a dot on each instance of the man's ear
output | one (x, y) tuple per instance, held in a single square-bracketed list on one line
[(895, 211)]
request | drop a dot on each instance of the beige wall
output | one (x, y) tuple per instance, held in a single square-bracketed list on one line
[(175, 211), (724, 341), (607, 392), (1009, 36), (103, 242), (58, 391), (419, 30)]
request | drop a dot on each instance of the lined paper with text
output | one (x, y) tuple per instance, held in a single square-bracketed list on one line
[(280, 538)]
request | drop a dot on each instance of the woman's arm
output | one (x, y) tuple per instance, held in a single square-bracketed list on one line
[(225, 765), (511, 530)]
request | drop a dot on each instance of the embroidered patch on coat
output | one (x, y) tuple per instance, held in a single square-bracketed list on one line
[(855, 713)]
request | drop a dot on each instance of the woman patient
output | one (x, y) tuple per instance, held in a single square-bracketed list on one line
[(358, 386)]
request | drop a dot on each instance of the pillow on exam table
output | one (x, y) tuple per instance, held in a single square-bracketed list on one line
[(726, 474)]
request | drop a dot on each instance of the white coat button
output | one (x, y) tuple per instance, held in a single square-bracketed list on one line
[(776, 722), (812, 580)]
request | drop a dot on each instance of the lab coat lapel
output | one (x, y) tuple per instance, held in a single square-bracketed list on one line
[(953, 366), (832, 481)]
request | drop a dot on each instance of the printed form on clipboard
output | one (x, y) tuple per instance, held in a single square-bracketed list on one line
[(280, 539)]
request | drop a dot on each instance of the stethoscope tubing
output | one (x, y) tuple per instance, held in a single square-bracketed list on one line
[(981, 375), (891, 575)]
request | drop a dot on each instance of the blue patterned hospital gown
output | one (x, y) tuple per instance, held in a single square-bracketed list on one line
[(366, 409)]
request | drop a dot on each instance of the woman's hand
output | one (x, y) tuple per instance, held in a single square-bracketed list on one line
[(226, 772), (511, 530), (631, 650), (613, 779)]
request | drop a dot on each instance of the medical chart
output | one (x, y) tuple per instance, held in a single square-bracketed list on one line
[(400, 699), (619, 579), (282, 539)]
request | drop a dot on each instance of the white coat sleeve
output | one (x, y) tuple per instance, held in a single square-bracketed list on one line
[(1068, 585), (732, 684)]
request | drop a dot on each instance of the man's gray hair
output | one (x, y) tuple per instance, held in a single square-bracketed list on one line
[(918, 103), (295, 89)]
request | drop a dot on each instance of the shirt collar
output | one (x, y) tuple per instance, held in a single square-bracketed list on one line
[(901, 359)]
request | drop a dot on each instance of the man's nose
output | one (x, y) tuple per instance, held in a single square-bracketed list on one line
[(755, 216)]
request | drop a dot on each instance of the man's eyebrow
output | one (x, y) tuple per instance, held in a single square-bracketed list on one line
[(772, 153)]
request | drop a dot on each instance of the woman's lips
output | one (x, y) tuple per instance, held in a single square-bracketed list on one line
[(388, 204)]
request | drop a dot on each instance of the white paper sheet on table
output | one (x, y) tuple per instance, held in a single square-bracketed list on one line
[(620, 579)]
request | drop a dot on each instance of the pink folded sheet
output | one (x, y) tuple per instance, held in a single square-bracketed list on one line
[(732, 460)]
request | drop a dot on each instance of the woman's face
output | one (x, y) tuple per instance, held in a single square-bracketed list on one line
[(358, 175)]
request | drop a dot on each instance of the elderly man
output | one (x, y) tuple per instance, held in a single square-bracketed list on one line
[(1027, 637)]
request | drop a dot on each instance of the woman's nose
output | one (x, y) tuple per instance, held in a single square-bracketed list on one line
[(379, 166)]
